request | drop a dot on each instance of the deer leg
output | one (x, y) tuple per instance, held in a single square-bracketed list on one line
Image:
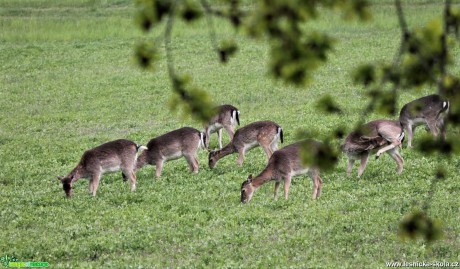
[(274, 146), (398, 159), (393, 145), (277, 187), (409, 135), (442, 127), (230, 131), (433, 127), (240, 160), (317, 183), (287, 185), (95, 182), (208, 138), (90, 186), (363, 164), (159, 167), (132, 177), (351, 161), (192, 163), (219, 134), (267, 150)]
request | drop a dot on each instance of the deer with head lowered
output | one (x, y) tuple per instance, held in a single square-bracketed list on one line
[(109, 157), (379, 135), (227, 117), (170, 146), (263, 133), (430, 111), (283, 165)]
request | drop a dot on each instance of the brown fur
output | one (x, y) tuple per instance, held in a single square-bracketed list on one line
[(262, 133), (170, 146), (109, 157), (283, 165), (381, 136), (430, 111), (222, 119)]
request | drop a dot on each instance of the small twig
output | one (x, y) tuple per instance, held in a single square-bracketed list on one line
[(167, 40), (211, 29)]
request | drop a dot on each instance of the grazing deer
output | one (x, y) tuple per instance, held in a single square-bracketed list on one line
[(263, 133), (181, 142), (380, 135), (227, 117), (430, 111), (283, 165), (109, 157)]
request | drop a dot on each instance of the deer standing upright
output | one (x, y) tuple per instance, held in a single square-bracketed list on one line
[(227, 117)]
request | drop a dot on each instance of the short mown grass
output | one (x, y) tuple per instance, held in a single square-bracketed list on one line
[(69, 82)]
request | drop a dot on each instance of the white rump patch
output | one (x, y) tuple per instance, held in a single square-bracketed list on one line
[(202, 144), (142, 148), (233, 118)]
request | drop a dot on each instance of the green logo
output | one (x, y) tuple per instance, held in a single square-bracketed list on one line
[(27, 264), (5, 260), (12, 262)]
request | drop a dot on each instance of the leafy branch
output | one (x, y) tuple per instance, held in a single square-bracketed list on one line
[(296, 51)]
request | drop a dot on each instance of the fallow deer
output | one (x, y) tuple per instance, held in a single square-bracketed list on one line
[(283, 165), (170, 146), (430, 111), (263, 133), (109, 157), (381, 136), (227, 117)]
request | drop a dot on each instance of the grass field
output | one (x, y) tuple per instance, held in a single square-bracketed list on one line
[(69, 82)]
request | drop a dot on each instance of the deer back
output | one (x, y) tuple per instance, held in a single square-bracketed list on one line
[(372, 135), (174, 144), (425, 108), (256, 132)]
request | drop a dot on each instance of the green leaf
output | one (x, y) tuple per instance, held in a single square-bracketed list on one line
[(146, 54), (418, 224), (318, 154), (227, 48)]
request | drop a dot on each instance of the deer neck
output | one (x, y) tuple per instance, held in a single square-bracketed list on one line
[(77, 173), (228, 149), (265, 176)]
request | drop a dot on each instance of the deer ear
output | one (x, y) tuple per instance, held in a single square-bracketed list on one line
[(250, 178), (60, 178)]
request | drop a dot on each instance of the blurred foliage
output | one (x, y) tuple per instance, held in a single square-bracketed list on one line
[(419, 225), (226, 49), (193, 101), (431, 145), (146, 54), (321, 155), (295, 51), (328, 105)]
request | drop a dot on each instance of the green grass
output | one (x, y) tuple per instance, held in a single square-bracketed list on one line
[(69, 82)]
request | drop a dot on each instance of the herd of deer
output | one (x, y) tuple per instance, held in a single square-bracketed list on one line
[(378, 136)]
